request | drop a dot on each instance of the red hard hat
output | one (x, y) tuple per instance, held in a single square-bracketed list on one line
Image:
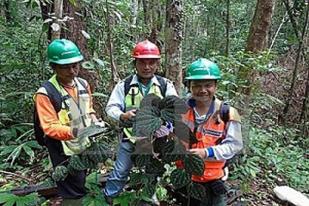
[(146, 50)]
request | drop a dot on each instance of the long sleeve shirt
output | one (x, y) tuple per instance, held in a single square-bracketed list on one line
[(116, 103), (48, 116), (230, 145)]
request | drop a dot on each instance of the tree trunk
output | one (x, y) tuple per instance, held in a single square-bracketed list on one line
[(173, 38), (304, 112), (294, 77), (56, 30), (257, 39), (156, 23), (115, 75), (134, 10), (147, 13), (227, 46)]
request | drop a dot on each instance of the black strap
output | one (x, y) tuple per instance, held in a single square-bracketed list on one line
[(128, 80), (54, 95), (127, 85), (225, 112), (163, 85)]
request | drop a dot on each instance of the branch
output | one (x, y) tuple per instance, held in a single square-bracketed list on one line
[(16, 175)]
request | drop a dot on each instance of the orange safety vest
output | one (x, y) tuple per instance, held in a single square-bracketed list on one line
[(208, 134)]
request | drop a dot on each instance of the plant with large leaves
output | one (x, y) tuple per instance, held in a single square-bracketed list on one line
[(152, 153)]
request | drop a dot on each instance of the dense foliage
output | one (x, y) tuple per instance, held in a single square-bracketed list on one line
[(275, 152)]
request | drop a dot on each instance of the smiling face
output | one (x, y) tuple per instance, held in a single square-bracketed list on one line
[(203, 90), (146, 67), (66, 72)]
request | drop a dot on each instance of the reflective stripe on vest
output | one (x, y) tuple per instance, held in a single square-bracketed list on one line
[(133, 100), (74, 113)]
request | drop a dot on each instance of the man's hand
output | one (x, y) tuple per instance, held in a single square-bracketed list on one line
[(128, 115), (199, 151)]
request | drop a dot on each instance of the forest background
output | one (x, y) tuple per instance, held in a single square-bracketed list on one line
[(261, 46)]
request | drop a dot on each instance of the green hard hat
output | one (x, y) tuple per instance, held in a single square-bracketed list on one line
[(63, 51), (203, 69)]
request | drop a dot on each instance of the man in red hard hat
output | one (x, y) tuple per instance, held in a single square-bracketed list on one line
[(122, 105)]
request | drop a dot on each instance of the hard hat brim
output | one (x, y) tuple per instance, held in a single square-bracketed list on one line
[(68, 61), (147, 56), (201, 77)]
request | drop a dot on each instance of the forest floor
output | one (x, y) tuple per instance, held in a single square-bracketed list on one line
[(255, 193)]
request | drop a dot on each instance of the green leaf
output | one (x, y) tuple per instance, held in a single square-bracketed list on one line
[(99, 62), (161, 193), (90, 200), (60, 173), (16, 152), (7, 149), (197, 191), (29, 152), (124, 199), (33, 144), (98, 94), (155, 167), (149, 190), (147, 121), (141, 160), (179, 178), (150, 101), (194, 164)]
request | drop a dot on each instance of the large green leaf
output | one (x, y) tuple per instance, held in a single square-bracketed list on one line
[(141, 160), (178, 153), (197, 191), (75, 163), (182, 131), (178, 105), (149, 189), (60, 173), (163, 146), (179, 178), (194, 164), (8, 199), (155, 167), (171, 108), (150, 100), (147, 122)]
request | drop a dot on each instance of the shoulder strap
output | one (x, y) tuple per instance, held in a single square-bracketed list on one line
[(225, 112), (82, 82), (127, 82), (162, 82), (55, 98), (163, 85), (53, 94)]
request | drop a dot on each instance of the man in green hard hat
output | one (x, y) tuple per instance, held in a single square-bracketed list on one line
[(216, 127), (63, 108)]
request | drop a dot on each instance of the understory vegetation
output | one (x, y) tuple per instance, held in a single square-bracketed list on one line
[(275, 143)]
